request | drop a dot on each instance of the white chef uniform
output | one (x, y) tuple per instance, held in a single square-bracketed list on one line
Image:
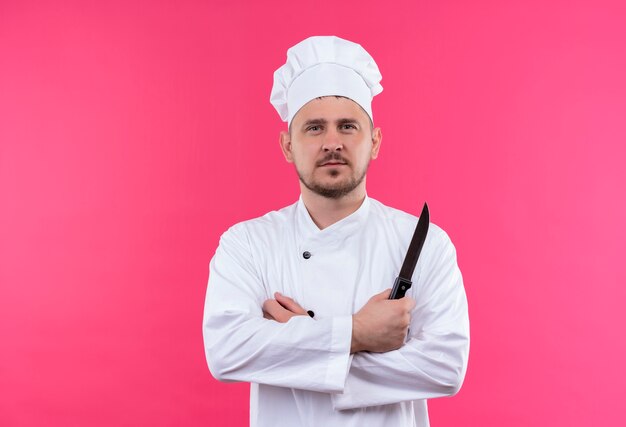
[(301, 371)]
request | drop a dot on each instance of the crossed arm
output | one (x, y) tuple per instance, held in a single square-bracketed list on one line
[(361, 360), (381, 325)]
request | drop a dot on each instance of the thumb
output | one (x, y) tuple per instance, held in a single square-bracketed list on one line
[(409, 303), (383, 295)]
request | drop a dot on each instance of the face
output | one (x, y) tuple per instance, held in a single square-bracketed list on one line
[(331, 142)]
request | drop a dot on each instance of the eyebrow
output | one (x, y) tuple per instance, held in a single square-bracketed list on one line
[(317, 122), (314, 122), (347, 121)]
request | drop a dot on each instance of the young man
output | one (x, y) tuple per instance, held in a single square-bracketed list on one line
[(297, 301)]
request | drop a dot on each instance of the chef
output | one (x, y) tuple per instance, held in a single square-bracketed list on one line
[(298, 299)]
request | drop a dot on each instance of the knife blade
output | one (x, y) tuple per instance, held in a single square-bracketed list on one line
[(403, 281)]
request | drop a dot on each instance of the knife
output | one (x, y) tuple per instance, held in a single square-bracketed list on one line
[(403, 281)]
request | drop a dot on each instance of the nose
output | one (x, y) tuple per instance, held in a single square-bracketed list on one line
[(332, 141)]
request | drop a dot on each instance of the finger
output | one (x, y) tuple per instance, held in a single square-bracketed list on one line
[(268, 307), (276, 311), (289, 304), (272, 307)]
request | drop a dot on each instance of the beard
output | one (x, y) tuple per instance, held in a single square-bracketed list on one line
[(338, 189)]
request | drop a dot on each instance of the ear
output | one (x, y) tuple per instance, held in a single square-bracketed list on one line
[(285, 146), (377, 139)]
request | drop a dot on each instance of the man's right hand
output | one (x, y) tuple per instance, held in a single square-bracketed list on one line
[(382, 324)]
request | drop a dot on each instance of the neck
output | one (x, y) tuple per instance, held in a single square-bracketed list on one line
[(325, 212)]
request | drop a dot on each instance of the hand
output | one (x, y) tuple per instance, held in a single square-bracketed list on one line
[(282, 308), (382, 324)]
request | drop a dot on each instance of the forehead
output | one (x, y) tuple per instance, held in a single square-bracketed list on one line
[(330, 108)]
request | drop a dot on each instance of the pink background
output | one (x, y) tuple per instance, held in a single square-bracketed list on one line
[(132, 134)]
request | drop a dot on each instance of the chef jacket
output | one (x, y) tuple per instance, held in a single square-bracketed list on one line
[(302, 372)]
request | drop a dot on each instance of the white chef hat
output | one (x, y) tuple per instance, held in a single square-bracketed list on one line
[(324, 66)]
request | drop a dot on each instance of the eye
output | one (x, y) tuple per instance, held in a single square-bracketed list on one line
[(313, 128), (347, 126)]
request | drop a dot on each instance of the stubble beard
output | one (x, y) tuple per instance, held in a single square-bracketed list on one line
[(336, 190)]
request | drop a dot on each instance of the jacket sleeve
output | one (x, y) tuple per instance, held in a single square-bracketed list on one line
[(433, 361), (241, 345)]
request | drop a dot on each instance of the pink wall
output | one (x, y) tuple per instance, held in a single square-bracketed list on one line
[(132, 134)]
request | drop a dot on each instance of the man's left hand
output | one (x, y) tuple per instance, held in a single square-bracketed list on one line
[(282, 308)]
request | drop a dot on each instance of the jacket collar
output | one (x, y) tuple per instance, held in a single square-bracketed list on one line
[(348, 225)]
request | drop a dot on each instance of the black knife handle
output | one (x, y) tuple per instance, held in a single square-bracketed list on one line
[(400, 286)]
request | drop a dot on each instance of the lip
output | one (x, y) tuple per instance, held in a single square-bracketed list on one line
[(333, 163)]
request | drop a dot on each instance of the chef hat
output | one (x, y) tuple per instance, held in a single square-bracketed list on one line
[(323, 66)]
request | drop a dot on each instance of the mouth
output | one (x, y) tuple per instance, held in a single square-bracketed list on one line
[(333, 163)]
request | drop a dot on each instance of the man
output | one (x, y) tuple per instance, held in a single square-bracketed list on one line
[(297, 301)]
